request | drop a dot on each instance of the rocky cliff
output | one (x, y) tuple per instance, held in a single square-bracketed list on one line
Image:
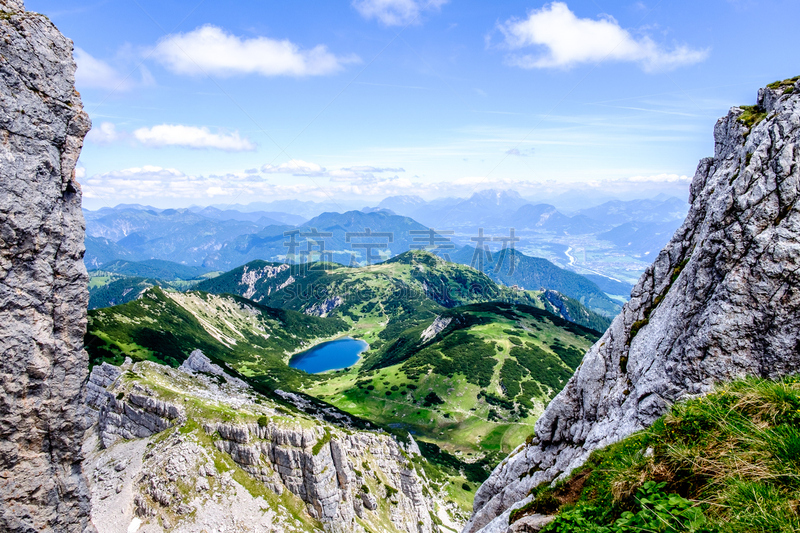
[(193, 449), (43, 281), (722, 300)]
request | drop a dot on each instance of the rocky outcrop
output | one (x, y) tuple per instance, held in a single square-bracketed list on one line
[(209, 437), (722, 300), (436, 327), (43, 283), (137, 414), (328, 470), (251, 277), (101, 377), (322, 308)]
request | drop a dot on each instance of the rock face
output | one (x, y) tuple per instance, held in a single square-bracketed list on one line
[(329, 472), (722, 300), (193, 449), (43, 283)]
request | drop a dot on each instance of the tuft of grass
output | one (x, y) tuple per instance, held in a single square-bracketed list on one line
[(786, 85), (728, 462), (321, 442), (753, 114)]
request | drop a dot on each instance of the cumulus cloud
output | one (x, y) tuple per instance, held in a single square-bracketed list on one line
[(395, 12), (192, 137), (97, 74), (105, 133), (210, 50), (566, 41)]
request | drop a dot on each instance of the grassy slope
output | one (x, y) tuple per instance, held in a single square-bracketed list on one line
[(494, 367), (167, 326), (108, 288), (728, 463)]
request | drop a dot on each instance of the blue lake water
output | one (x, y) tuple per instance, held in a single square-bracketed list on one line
[(332, 355)]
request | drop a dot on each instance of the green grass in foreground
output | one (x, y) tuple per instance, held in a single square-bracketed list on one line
[(728, 463)]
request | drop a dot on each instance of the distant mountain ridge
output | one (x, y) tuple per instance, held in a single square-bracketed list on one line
[(533, 273)]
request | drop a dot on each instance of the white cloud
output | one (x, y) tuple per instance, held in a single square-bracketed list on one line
[(192, 137), (157, 184), (95, 73), (105, 133), (395, 12), (210, 50), (568, 41), (295, 167)]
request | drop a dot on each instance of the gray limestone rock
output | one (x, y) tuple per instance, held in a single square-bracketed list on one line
[(101, 377), (135, 415), (43, 282), (325, 478), (721, 301), (325, 467)]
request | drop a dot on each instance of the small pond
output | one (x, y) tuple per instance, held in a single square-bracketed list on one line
[(331, 355)]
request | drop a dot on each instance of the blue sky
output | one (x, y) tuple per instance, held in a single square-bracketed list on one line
[(201, 102)]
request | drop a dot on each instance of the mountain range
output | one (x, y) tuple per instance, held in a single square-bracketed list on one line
[(224, 238)]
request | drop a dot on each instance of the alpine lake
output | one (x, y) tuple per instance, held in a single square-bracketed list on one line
[(331, 355)]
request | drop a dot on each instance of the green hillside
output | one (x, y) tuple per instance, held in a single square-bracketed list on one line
[(379, 301), (474, 388), (107, 289), (724, 463), (167, 326)]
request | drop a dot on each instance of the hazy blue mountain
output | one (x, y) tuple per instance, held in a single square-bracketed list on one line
[(610, 286), (644, 239), (658, 209), (305, 209), (100, 250), (545, 217), (404, 205), (535, 273), (118, 223), (262, 218), (270, 244), (178, 235), (488, 208)]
